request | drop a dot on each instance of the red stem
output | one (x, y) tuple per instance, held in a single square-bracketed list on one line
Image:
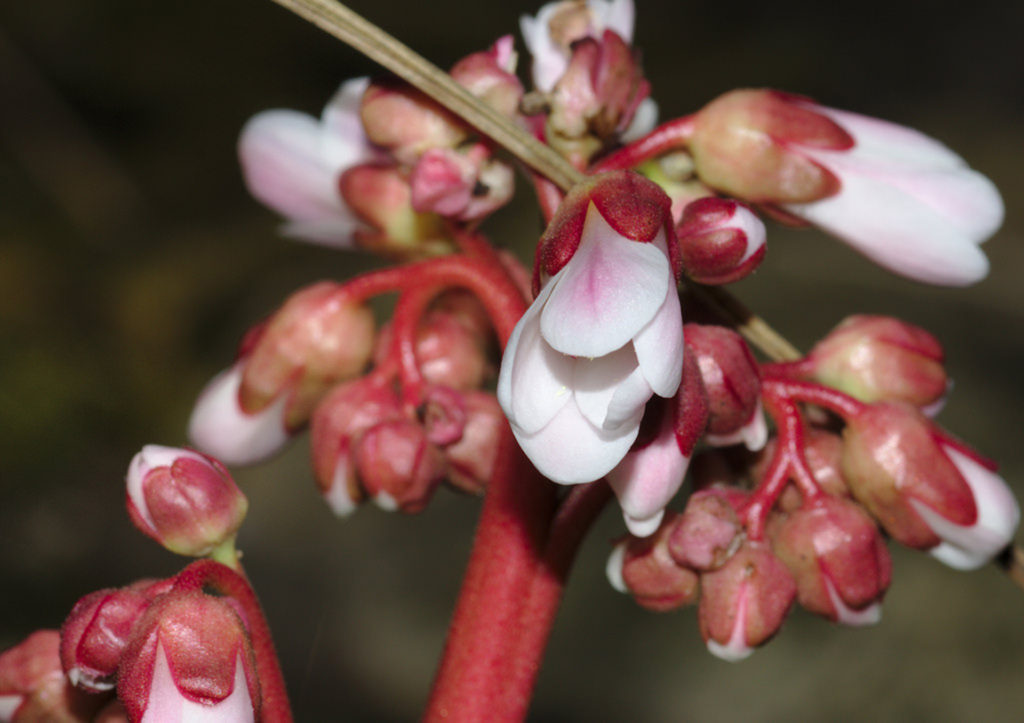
[(224, 580), (668, 136), (831, 399)]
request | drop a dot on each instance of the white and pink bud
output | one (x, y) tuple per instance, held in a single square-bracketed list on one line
[(490, 76), (927, 493), (744, 602), (549, 35), (466, 183), (879, 358), (708, 531), (33, 686), (291, 163), (838, 558), (902, 199), (720, 241), (604, 334), (186, 501), (318, 338), (407, 123), (98, 630), (190, 659), (732, 381), (336, 429), (399, 468), (644, 568)]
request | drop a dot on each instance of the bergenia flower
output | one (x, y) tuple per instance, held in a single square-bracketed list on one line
[(604, 334), (291, 163), (902, 199), (549, 34)]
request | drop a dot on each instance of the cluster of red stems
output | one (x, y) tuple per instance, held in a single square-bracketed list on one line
[(798, 514)]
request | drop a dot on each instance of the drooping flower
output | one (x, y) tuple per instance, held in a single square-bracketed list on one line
[(899, 197), (291, 163), (604, 334)]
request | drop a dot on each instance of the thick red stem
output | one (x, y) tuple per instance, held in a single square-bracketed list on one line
[(673, 135), (224, 580), (831, 399)]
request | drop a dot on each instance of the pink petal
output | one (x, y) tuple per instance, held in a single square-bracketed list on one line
[(570, 450), (219, 427), (616, 15), (897, 231), (549, 62), (166, 704), (607, 292), (534, 381), (343, 141), (659, 347)]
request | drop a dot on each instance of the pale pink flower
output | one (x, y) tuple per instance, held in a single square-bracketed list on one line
[(291, 163), (602, 337)]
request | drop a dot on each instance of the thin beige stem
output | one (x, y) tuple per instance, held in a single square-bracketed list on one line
[(379, 46)]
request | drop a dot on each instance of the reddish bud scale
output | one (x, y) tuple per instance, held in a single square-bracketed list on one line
[(472, 459), (650, 574), (95, 635), (742, 142), (691, 407), (631, 204), (398, 466), (729, 373), (891, 459), (707, 533)]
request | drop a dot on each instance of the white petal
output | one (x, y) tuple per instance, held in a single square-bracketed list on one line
[(596, 381), (643, 527), (736, 648), (898, 231), (644, 120), (534, 381), (570, 450), (166, 704), (659, 347), (613, 568), (753, 434), (607, 292), (343, 141), (869, 615), (647, 479), (549, 62), (220, 428), (338, 497), (616, 15), (752, 227), (969, 547), (8, 705)]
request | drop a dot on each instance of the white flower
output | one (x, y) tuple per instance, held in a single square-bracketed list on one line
[(550, 48), (906, 201), (603, 336), (291, 162)]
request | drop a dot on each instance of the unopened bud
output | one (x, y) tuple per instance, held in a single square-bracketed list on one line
[(490, 76), (472, 459), (643, 567), (839, 559), (406, 122), (744, 602), (720, 241), (185, 501), (708, 531), (189, 658), (465, 183), (823, 452), (879, 358), (337, 426), (398, 466), (733, 384)]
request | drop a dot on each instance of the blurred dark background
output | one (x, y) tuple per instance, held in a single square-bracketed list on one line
[(131, 261)]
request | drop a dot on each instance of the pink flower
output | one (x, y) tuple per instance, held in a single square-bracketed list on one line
[(291, 163), (603, 336)]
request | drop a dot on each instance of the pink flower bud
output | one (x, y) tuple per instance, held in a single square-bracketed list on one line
[(879, 358), (406, 122), (465, 184), (707, 533), (923, 491), (644, 568), (33, 687), (823, 452), (839, 559), (744, 602), (319, 337), (603, 336), (189, 659), (720, 241), (733, 384), (490, 76), (549, 36), (380, 195), (338, 424), (98, 630), (899, 197), (185, 501), (472, 458), (398, 466)]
